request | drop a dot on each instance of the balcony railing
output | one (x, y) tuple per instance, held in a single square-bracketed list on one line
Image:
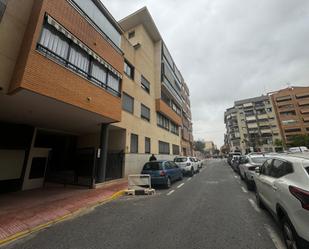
[(64, 62)]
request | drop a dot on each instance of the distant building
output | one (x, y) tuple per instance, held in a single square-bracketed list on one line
[(251, 125), (210, 147), (292, 111)]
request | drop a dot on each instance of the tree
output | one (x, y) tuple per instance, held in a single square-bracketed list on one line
[(199, 145), (300, 140), (278, 142)]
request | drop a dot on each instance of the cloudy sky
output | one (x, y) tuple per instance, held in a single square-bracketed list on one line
[(229, 49)]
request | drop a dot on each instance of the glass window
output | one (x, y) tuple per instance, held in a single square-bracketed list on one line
[(307, 169), (180, 159), (3, 4), (127, 103), (79, 60), (163, 122), (265, 169), (99, 19), (113, 82), (280, 168), (153, 166), (129, 70), (147, 145), (54, 41), (145, 112), (174, 128), (145, 84), (131, 34), (164, 148), (98, 73), (175, 149), (134, 143)]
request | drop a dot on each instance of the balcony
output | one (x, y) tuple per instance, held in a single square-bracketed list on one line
[(262, 116), (167, 111)]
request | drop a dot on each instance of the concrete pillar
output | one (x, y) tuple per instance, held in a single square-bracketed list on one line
[(101, 167)]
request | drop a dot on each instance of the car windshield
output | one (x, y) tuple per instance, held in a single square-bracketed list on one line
[(153, 166), (259, 160), (180, 159)]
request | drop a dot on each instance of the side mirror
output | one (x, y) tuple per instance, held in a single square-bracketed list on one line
[(257, 170)]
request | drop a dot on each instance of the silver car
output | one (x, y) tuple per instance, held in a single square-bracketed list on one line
[(188, 165)]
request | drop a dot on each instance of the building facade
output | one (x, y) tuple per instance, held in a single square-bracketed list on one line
[(252, 125), (292, 111), (153, 101), (60, 83)]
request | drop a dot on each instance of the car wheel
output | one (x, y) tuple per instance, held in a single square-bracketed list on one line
[(289, 234), (191, 172), (241, 177), (258, 200), (168, 183)]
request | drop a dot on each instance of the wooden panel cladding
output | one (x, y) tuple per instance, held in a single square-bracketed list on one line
[(166, 110)]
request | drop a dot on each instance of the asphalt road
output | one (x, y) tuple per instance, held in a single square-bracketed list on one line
[(210, 210)]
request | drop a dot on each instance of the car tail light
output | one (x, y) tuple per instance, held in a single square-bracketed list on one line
[(301, 195), (188, 164), (162, 173)]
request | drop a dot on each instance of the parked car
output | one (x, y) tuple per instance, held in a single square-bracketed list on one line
[(235, 163), (198, 161), (162, 172), (282, 185), (247, 168), (187, 164), (230, 157), (298, 149)]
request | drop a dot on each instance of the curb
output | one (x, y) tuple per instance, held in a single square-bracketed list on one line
[(38, 228)]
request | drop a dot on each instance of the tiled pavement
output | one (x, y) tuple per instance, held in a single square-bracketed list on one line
[(24, 211)]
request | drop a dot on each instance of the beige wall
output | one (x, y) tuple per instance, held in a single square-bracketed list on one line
[(145, 62), (12, 29)]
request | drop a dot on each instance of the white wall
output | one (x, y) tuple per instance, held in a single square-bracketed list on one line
[(11, 164)]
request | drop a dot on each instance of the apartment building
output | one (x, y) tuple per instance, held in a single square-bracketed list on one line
[(292, 111), (61, 68), (186, 129), (252, 125), (154, 105)]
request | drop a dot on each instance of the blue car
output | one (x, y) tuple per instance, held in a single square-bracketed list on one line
[(162, 172)]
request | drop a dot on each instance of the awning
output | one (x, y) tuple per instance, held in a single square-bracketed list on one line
[(70, 36)]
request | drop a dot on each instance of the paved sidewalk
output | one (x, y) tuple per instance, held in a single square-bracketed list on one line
[(27, 211)]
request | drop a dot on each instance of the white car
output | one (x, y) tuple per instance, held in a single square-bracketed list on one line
[(199, 162), (282, 185), (187, 164), (247, 168)]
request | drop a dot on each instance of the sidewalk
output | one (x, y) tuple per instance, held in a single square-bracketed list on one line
[(25, 212)]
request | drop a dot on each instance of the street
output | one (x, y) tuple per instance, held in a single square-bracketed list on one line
[(212, 210)]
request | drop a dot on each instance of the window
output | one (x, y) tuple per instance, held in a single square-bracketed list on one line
[(57, 46), (164, 148), (134, 143), (286, 106), (292, 130), (153, 166), (129, 70), (280, 168), (175, 108), (265, 169), (79, 60), (163, 122), (147, 145), (145, 84), (145, 112), (127, 103), (288, 113), (131, 34), (288, 122), (302, 96), (283, 98), (174, 128), (98, 19), (175, 149), (307, 169)]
